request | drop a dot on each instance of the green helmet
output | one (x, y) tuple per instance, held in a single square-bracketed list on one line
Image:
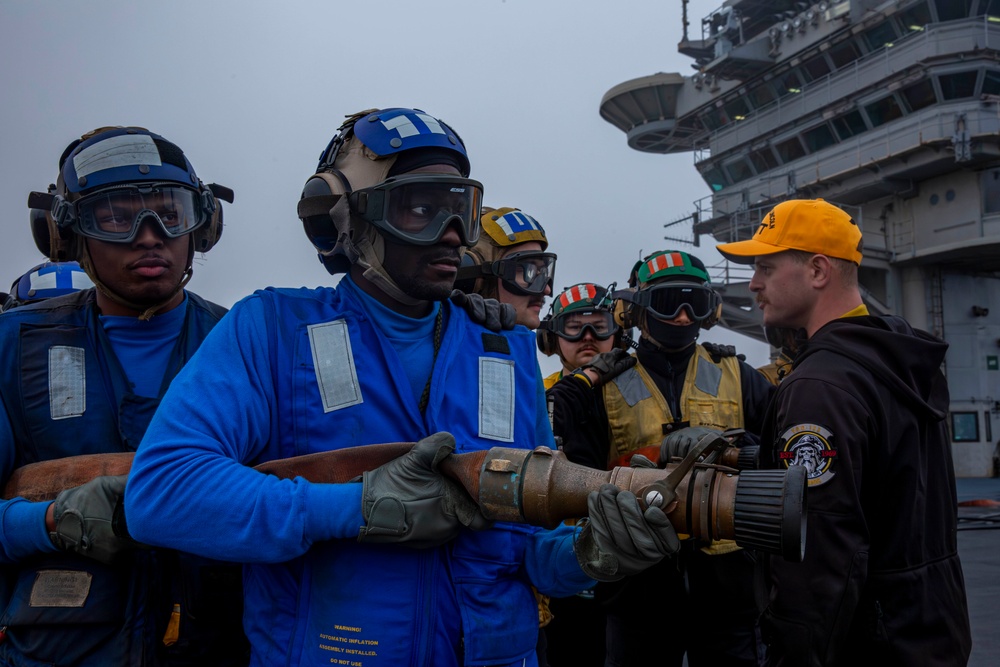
[(580, 297), (667, 266)]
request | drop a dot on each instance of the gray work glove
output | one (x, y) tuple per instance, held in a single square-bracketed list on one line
[(680, 442), (619, 539), (407, 501), (84, 517), (607, 366), (489, 313)]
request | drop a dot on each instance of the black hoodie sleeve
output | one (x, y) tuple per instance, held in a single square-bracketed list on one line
[(580, 420)]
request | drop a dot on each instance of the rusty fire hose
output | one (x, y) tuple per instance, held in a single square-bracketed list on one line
[(759, 509)]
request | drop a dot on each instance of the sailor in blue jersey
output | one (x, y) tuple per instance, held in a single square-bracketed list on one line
[(83, 374), (400, 569)]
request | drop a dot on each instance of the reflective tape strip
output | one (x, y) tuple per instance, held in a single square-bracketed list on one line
[(333, 360), (67, 381), (405, 127), (496, 399), (632, 387), (121, 151), (708, 378), (516, 222)]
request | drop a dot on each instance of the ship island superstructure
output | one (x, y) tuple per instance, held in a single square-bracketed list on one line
[(888, 109)]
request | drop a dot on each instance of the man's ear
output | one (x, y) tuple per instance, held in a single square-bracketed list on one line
[(821, 271)]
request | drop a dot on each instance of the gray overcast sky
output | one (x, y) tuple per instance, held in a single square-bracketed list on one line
[(253, 91)]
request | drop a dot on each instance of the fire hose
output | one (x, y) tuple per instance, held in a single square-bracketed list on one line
[(758, 509)]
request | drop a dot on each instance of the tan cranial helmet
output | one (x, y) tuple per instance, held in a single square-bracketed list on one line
[(503, 228), (371, 147)]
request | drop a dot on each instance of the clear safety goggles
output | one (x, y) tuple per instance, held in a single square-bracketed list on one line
[(116, 214), (526, 273), (574, 326), (666, 300), (419, 208)]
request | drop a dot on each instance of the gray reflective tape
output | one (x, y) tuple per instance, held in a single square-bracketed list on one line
[(496, 399), (708, 377), (632, 387), (67, 381), (60, 588), (333, 360), (122, 151)]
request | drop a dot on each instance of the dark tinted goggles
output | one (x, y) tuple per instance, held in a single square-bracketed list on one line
[(115, 215), (665, 301), (574, 326), (526, 273), (418, 209)]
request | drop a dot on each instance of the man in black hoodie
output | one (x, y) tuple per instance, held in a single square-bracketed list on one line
[(881, 582)]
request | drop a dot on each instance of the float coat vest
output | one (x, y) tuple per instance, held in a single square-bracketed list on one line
[(638, 415), (66, 394), (337, 384)]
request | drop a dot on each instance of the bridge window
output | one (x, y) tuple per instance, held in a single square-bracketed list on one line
[(790, 149), (991, 83), (738, 170), (915, 18), (819, 138), (714, 177), (882, 35), (959, 85), (919, 95), (849, 124), (965, 426), (763, 160), (816, 68), (844, 54), (949, 10), (883, 111)]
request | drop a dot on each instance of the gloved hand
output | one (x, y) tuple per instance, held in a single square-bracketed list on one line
[(679, 443), (606, 366), (490, 313), (407, 501), (83, 519), (619, 539)]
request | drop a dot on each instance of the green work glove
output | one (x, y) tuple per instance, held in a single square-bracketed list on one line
[(680, 442), (84, 517), (407, 501), (619, 539), (607, 366), (489, 313)]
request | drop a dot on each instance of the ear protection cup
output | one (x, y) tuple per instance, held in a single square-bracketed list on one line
[(205, 237), (471, 259), (54, 243), (545, 339), (625, 314), (716, 315)]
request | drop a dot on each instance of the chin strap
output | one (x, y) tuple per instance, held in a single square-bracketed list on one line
[(366, 247), (146, 312)]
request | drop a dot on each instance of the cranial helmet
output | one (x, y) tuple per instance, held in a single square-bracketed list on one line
[(45, 281), (583, 298), (114, 164), (482, 267), (372, 149), (690, 288)]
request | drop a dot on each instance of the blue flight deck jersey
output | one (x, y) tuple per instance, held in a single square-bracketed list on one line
[(292, 372)]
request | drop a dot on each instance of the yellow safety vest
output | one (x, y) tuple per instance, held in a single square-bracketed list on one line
[(712, 397), (551, 380)]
